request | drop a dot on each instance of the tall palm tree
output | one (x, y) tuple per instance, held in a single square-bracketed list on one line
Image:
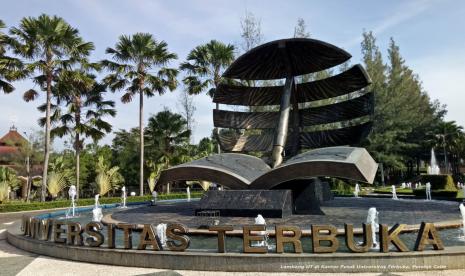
[(85, 111), (204, 66), (50, 44), (139, 67), (10, 68)]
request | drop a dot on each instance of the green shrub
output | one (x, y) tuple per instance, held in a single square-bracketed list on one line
[(15, 206), (439, 182), (340, 187)]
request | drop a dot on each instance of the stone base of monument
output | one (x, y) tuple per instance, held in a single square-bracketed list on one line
[(302, 196), (307, 195), (247, 203)]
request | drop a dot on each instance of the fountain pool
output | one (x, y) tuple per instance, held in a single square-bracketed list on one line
[(203, 250)]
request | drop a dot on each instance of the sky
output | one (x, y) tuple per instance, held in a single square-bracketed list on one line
[(429, 34)]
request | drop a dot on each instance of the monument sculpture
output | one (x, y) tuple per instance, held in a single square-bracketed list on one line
[(307, 130)]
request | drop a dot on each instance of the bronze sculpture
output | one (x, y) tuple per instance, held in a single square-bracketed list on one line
[(344, 120)]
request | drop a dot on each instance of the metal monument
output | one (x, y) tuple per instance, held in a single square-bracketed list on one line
[(325, 116)]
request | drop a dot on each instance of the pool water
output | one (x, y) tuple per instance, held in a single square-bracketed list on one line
[(207, 243)]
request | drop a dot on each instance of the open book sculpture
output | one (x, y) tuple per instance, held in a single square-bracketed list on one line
[(241, 171), (302, 112)]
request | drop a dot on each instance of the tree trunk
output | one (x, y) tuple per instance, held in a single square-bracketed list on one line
[(77, 141), (47, 136), (217, 133), (29, 180), (25, 186), (29, 187), (78, 152), (141, 130)]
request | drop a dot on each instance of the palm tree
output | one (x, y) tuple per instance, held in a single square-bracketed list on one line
[(85, 111), (204, 66), (10, 68), (107, 178), (60, 177), (8, 181), (139, 67), (449, 138), (50, 44), (167, 135)]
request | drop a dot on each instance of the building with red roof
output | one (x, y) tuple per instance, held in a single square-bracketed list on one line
[(10, 145)]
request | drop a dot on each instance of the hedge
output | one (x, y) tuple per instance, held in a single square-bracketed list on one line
[(435, 193), (15, 206), (439, 182)]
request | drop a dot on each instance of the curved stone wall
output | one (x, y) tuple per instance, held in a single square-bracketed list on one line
[(450, 258)]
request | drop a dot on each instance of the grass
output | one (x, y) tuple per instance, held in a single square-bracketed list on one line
[(399, 191), (16, 206)]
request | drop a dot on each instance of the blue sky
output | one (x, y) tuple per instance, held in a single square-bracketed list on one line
[(429, 33)]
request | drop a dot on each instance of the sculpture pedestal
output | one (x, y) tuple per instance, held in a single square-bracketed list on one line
[(248, 203), (307, 195)]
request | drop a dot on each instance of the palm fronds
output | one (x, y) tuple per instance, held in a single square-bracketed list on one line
[(107, 178), (4, 190), (57, 182)]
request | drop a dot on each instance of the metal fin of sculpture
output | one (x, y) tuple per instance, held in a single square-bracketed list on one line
[(340, 118)]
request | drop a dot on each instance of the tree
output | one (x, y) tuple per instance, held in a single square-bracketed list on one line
[(86, 110), (88, 163), (403, 111), (124, 155), (300, 30), (60, 177), (10, 68), (205, 147), (107, 178), (204, 66), (27, 160), (188, 108), (251, 31), (135, 59), (50, 44), (8, 181), (449, 138), (167, 138)]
